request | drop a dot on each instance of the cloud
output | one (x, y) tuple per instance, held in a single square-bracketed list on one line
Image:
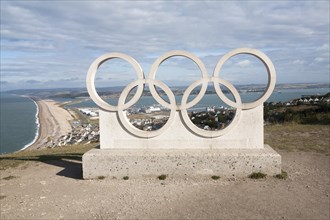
[(324, 47), (299, 62), (244, 63), (319, 59), (45, 40), (32, 81), (69, 79)]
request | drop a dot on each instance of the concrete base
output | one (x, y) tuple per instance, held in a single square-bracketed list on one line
[(137, 163), (247, 134)]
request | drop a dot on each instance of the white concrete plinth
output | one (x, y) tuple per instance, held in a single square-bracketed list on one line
[(248, 133), (137, 163)]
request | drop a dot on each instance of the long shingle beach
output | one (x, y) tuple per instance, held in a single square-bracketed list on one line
[(54, 122)]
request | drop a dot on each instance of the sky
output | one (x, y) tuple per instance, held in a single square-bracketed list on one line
[(51, 44)]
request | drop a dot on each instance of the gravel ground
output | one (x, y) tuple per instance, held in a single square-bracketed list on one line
[(55, 190)]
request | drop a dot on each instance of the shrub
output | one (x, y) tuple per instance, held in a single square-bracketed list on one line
[(258, 175), (215, 177), (282, 175), (162, 177)]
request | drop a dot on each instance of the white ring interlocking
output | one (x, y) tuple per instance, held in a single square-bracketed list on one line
[(172, 105)]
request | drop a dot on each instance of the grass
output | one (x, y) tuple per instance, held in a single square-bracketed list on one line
[(298, 137), (287, 136), (16, 159), (215, 177), (162, 177), (125, 178), (283, 175), (258, 175), (101, 177)]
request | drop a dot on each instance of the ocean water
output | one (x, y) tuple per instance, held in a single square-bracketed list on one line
[(18, 122), (213, 99)]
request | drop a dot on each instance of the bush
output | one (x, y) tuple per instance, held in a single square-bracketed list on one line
[(283, 175), (307, 114), (162, 177), (258, 175), (215, 177)]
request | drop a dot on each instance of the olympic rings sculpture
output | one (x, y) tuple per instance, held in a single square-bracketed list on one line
[(172, 105)]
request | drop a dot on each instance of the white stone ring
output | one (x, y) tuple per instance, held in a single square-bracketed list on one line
[(271, 77), (172, 105), (90, 81)]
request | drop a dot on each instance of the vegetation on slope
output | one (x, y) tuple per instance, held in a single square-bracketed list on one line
[(73, 152)]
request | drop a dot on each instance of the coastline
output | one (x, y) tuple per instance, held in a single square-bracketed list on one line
[(37, 123), (53, 122)]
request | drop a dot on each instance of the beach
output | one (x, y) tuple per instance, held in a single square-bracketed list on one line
[(54, 122)]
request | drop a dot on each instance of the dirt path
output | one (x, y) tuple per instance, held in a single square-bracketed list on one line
[(54, 190)]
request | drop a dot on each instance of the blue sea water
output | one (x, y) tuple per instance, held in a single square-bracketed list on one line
[(19, 125), (213, 99), (18, 121)]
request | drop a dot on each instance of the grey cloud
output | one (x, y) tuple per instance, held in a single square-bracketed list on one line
[(32, 81), (70, 79), (54, 40), (4, 82)]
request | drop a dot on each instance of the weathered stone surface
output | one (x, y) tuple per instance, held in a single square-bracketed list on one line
[(248, 133), (137, 163)]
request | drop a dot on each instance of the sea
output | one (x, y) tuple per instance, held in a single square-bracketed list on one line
[(20, 124)]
